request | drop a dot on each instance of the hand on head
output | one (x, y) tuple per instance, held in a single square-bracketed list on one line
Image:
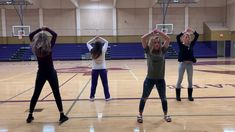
[(97, 37), (43, 28), (189, 30), (156, 31)]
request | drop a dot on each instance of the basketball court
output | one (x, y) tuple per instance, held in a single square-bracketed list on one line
[(121, 22), (212, 110)]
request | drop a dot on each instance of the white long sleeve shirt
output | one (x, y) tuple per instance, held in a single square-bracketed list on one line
[(99, 63)]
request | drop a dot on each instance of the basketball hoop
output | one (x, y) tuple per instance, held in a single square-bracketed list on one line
[(166, 28), (21, 30)]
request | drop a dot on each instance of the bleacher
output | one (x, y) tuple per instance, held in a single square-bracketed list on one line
[(69, 51), (6, 51), (202, 49), (126, 51), (206, 49), (115, 51), (28, 55)]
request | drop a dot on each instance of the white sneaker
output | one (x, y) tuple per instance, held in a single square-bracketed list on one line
[(108, 99), (91, 99)]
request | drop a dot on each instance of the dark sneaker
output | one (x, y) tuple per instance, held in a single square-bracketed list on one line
[(30, 118), (167, 118), (91, 99), (190, 98), (63, 119), (178, 98)]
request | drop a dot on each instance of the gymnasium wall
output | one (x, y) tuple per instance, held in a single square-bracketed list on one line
[(175, 16), (31, 17), (233, 35), (131, 23), (199, 15), (0, 24), (231, 17), (62, 21), (91, 20)]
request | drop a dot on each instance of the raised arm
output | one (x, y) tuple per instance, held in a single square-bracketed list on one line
[(105, 46), (145, 38), (54, 35), (196, 35), (178, 37), (88, 44), (165, 37), (32, 34)]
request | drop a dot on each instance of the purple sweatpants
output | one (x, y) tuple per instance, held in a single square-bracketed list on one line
[(94, 79)]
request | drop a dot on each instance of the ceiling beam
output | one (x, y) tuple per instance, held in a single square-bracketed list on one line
[(34, 3), (114, 3), (75, 3), (177, 1), (11, 2)]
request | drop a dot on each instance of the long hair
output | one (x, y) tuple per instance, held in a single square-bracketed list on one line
[(96, 51), (41, 45), (151, 44)]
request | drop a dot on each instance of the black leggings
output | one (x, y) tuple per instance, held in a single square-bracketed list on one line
[(42, 76), (148, 86)]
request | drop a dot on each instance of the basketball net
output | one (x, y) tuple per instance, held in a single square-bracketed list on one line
[(20, 37)]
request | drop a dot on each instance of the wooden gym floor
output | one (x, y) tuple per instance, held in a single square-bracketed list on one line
[(213, 109)]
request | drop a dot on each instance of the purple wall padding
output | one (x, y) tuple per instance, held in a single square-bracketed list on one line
[(70, 51)]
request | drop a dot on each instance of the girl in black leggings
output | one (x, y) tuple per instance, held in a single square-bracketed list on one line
[(42, 48)]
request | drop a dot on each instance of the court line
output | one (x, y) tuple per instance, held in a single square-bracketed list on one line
[(7, 100), (101, 99), (78, 94), (18, 75), (77, 98), (215, 67), (60, 86), (1, 102), (132, 73), (172, 115), (64, 83)]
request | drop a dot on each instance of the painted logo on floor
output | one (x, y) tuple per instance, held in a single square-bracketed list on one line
[(215, 63), (85, 70)]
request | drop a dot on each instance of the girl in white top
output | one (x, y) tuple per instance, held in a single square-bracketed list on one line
[(98, 65), (98, 52)]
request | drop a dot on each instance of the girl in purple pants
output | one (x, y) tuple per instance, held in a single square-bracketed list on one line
[(98, 51)]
